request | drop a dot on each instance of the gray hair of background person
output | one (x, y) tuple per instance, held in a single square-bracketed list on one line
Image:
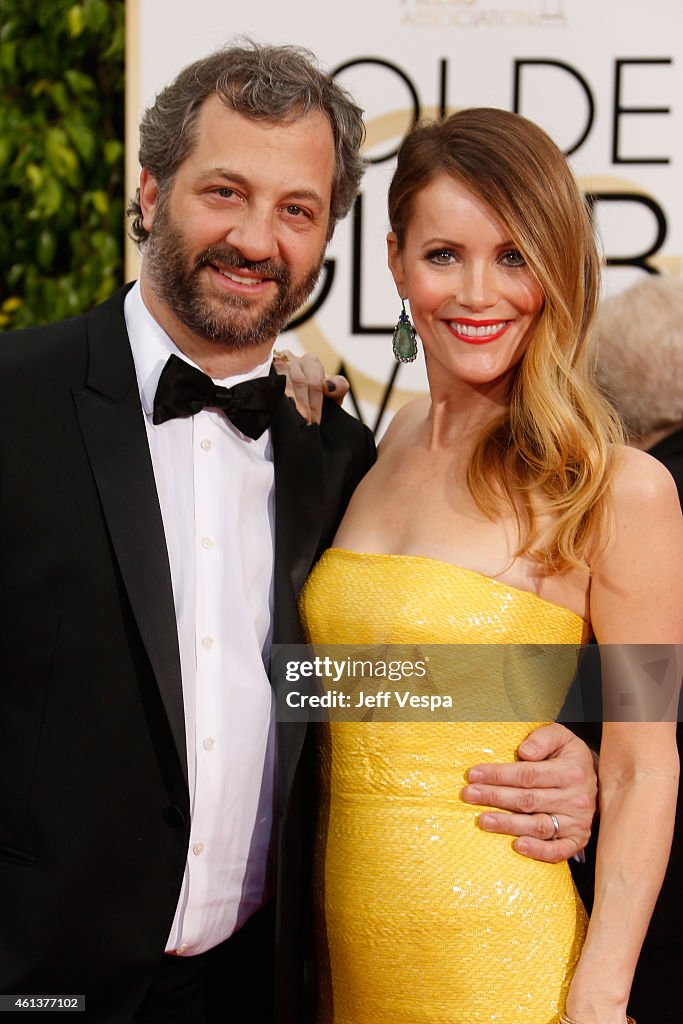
[(638, 338), (265, 83)]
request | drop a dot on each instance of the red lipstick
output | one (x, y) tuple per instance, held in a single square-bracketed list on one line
[(477, 332)]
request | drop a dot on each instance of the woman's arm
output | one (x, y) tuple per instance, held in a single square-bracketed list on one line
[(638, 786), (636, 599)]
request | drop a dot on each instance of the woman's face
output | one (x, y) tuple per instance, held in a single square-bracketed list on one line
[(473, 300)]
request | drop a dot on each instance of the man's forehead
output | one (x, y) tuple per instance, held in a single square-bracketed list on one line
[(216, 110), (301, 145)]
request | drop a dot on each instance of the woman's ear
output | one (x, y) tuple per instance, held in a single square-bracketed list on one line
[(395, 261)]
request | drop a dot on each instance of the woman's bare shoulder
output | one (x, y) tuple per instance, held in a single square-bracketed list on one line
[(641, 481), (636, 581), (644, 510), (404, 421)]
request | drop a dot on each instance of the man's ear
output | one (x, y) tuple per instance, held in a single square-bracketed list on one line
[(149, 198), (395, 262)]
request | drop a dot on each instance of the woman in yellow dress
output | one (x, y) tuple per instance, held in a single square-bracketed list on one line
[(502, 510)]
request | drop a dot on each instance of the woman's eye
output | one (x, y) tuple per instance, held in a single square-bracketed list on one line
[(513, 258), (442, 257)]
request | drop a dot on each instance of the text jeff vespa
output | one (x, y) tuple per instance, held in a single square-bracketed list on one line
[(347, 669)]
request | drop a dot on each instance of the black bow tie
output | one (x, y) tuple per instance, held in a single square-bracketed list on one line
[(183, 390)]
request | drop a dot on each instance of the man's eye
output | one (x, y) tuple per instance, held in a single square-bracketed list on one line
[(294, 211), (225, 192)]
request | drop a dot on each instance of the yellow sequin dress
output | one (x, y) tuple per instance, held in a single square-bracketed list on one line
[(422, 917)]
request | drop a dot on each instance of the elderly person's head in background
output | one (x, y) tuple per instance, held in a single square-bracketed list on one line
[(639, 345)]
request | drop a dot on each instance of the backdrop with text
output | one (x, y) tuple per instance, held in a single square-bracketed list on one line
[(601, 78)]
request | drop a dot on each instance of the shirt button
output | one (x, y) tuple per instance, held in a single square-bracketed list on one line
[(207, 642), (206, 445), (197, 849), (209, 743), (207, 542)]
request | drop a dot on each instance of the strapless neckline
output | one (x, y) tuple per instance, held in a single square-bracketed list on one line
[(473, 573)]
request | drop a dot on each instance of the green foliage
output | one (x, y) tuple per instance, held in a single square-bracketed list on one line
[(61, 157)]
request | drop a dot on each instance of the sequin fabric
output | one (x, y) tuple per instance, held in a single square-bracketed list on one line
[(422, 918)]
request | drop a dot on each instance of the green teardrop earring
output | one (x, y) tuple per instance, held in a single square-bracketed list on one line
[(404, 340)]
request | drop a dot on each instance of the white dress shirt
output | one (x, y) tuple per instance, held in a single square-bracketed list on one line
[(217, 498)]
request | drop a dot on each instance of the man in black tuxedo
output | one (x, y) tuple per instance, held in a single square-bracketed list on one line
[(156, 530)]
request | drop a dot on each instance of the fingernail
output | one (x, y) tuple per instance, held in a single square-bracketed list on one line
[(471, 794), (475, 775), (487, 822), (529, 747), (521, 846), (330, 385)]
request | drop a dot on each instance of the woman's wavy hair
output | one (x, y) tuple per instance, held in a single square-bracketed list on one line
[(551, 451), (264, 83)]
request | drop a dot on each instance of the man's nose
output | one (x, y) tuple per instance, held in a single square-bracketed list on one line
[(253, 234)]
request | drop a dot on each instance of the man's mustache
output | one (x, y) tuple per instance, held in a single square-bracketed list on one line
[(225, 257)]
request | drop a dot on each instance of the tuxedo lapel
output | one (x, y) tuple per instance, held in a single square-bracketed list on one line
[(298, 514), (113, 428), (297, 452)]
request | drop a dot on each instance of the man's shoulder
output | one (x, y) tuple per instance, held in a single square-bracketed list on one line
[(19, 342), (336, 420), (338, 427), (49, 346)]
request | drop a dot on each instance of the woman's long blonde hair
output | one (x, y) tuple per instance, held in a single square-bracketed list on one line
[(551, 451)]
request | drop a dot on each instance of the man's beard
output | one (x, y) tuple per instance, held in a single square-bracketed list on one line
[(227, 320)]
